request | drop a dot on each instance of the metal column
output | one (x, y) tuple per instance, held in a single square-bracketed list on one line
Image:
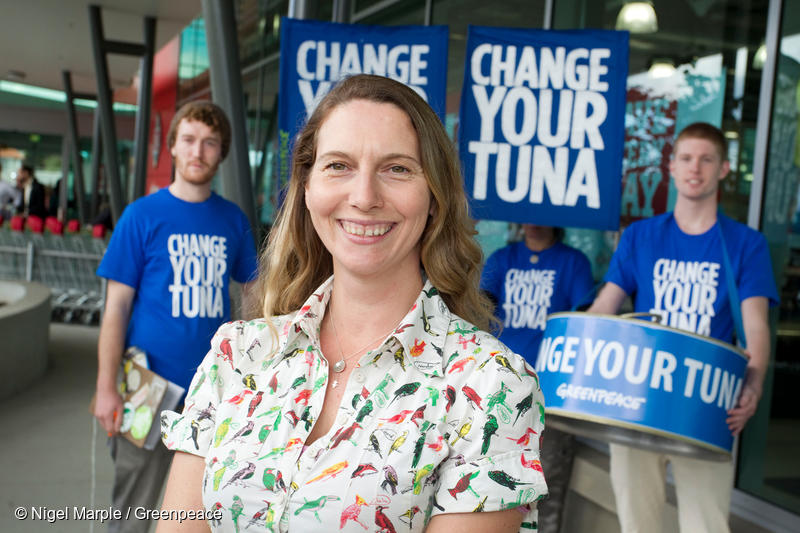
[(548, 15), (764, 121), (226, 88), (62, 183), (97, 142), (299, 9), (143, 108), (256, 137), (74, 138), (265, 139), (106, 111), (101, 47), (341, 11)]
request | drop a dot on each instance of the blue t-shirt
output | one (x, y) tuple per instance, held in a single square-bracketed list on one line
[(682, 278), (527, 291), (179, 256)]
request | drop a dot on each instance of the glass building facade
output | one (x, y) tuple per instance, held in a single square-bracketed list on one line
[(709, 60), (734, 63)]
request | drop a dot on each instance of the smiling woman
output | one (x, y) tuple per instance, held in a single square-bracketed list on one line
[(296, 262), (331, 402), (367, 194)]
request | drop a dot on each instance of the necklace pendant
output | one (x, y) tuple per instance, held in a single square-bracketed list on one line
[(339, 366)]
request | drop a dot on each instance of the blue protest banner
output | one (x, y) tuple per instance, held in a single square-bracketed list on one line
[(542, 125), (315, 55)]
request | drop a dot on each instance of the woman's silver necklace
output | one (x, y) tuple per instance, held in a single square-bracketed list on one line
[(341, 364)]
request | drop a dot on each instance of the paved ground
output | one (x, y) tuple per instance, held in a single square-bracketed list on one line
[(47, 460)]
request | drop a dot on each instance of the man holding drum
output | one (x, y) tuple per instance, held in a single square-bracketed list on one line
[(659, 262)]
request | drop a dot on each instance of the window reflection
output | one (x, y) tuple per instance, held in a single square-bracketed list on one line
[(770, 468)]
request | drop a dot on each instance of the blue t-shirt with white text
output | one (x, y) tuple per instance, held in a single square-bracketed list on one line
[(179, 257), (681, 277), (530, 285)]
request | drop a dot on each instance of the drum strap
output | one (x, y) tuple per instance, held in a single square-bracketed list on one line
[(733, 293), (588, 297)]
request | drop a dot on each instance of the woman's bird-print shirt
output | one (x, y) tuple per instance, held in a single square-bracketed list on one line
[(441, 418)]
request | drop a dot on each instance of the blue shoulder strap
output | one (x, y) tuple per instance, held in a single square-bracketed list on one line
[(733, 293), (583, 300)]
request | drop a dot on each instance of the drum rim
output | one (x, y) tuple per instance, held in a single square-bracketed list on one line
[(655, 325), (636, 427)]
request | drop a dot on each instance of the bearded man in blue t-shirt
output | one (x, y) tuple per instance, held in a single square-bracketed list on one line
[(169, 264), (673, 266)]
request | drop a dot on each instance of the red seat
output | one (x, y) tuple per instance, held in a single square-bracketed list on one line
[(98, 231), (17, 223), (50, 222), (56, 227), (35, 224), (73, 225)]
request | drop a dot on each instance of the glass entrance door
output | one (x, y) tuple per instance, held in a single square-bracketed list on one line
[(769, 466)]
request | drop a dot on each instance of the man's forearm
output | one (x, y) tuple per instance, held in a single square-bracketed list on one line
[(110, 347), (108, 403), (756, 329), (609, 300)]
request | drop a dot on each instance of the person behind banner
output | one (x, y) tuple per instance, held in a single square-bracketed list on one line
[(527, 281), (369, 392), (673, 265), (169, 264)]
